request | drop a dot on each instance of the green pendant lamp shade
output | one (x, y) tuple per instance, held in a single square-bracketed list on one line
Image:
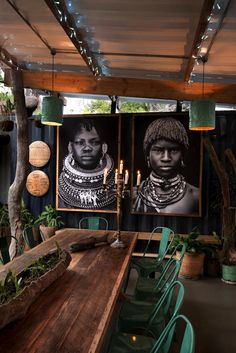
[(52, 111), (202, 115)]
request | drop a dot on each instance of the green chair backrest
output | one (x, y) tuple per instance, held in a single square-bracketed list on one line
[(165, 340), (168, 275), (172, 299), (94, 223), (165, 238), (172, 268), (29, 238)]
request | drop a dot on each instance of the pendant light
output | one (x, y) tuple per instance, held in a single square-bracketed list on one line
[(52, 106), (202, 112)]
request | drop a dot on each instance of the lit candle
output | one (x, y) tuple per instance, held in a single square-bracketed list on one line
[(105, 176), (126, 177), (121, 167), (138, 178), (116, 176)]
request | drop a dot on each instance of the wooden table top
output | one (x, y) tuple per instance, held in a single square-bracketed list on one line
[(72, 315)]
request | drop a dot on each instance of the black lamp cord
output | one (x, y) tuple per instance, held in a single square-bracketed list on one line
[(53, 53), (204, 60)]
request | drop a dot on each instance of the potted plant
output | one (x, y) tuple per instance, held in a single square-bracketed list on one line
[(30, 228), (49, 221), (7, 110), (4, 221), (193, 261)]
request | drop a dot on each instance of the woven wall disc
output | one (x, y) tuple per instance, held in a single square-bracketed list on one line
[(37, 183), (39, 153)]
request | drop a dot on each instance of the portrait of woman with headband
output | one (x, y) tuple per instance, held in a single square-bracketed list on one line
[(165, 190)]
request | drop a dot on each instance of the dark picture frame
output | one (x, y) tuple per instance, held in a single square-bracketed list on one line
[(192, 170), (70, 186)]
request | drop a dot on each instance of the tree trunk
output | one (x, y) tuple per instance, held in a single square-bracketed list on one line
[(228, 222), (16, 189)]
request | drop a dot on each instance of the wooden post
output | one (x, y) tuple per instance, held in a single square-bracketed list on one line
[(16, 189)]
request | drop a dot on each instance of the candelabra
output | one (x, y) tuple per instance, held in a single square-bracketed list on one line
[(121, 189)]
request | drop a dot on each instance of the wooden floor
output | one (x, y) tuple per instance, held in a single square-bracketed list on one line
[(210, 305)]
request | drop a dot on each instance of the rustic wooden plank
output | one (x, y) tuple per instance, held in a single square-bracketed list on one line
[(129, 87), (210, 239), (72, 315)]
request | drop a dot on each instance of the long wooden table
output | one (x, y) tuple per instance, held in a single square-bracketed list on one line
[(72, 315)]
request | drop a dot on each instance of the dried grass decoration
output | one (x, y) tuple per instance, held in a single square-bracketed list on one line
[(18, 292)]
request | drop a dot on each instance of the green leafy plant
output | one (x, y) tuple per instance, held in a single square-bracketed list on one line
[(27, 218), (7, 107), (197, 246), (4, 216), (14, 284), (11, 287), (49, 217)]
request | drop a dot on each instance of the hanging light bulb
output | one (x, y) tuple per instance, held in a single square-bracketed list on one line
[(202, 112), (52, 106)]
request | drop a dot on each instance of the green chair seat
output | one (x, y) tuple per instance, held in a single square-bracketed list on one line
[(128, 343), (131, 343), (150, 319), (145, 265), (151, 289), (135, 315)]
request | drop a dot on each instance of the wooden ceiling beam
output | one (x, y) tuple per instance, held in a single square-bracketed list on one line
[(127, 87), (202, 25)]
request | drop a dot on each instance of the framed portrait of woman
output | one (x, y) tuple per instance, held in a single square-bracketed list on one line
[(167, 158), (88, 152)]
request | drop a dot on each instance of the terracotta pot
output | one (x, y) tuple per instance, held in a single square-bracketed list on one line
[(192, 265), (47, 232)]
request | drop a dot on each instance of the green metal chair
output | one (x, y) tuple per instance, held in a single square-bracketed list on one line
[(151, 289), (131, 343), (94, 223), (146, 265), (4, 248), (145, 318), (29, 238)]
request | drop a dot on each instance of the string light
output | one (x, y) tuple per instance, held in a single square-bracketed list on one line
[(214, 21), (67, 20)]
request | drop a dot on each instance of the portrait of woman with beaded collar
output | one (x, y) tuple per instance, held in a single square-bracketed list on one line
[(87, 148), (171, 175)]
